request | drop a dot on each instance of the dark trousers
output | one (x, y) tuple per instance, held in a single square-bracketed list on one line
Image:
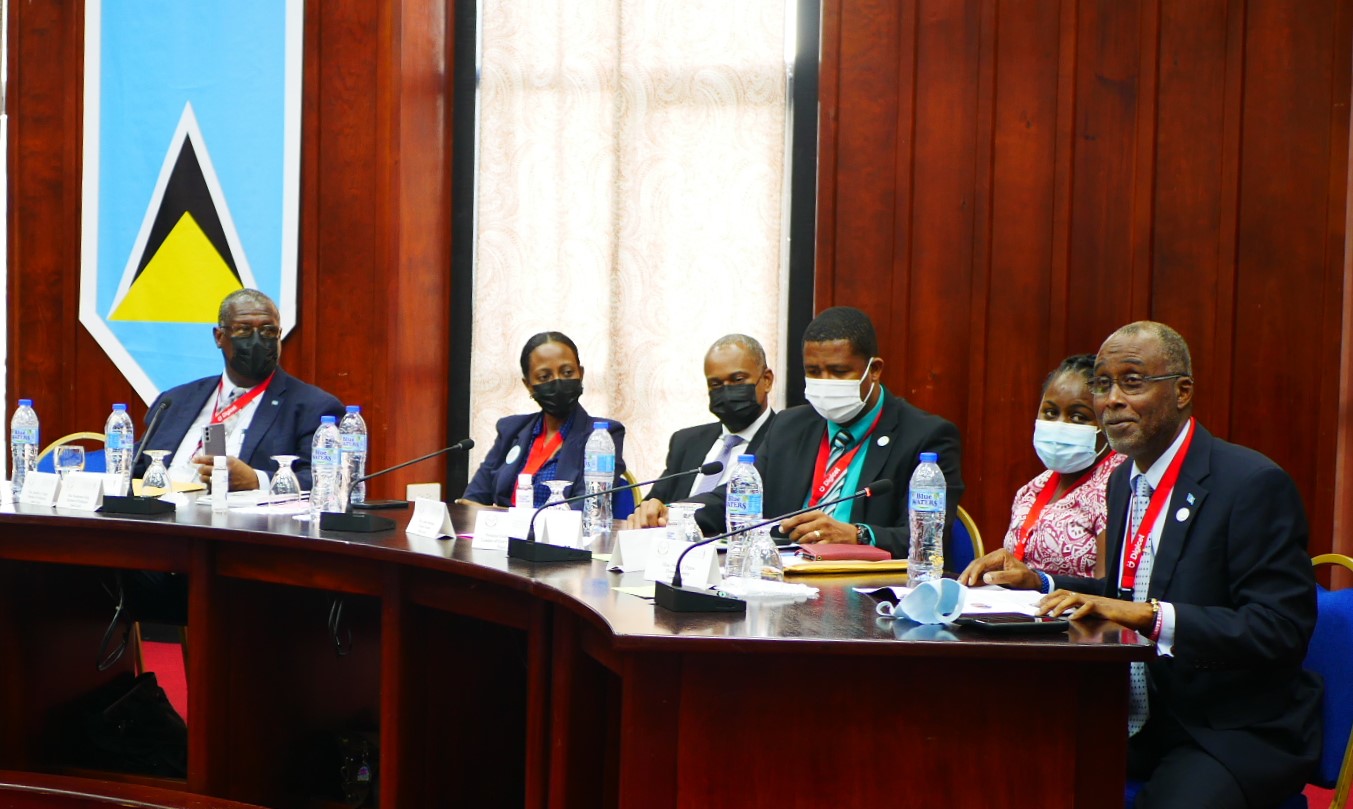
[(1177, 772)]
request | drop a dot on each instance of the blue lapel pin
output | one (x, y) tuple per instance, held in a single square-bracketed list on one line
[(1190, 498)]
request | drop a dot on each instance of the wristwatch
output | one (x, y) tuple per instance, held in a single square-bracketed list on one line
[(861, 534)]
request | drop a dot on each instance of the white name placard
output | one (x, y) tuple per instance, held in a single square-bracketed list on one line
[(40, 488), (492, 528), (632, 548), (700, 568), (559, 527), (430, 519), (81, 491)]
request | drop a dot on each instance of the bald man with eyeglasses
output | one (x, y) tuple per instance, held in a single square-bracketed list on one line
[(264, 411)]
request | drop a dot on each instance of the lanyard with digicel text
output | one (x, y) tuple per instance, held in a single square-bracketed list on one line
[(219, 415), (1162, 493), (1044, 497), (823, 478)]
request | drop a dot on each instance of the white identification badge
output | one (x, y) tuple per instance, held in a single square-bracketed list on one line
[(632, 548), (430, 519), (699, 569), (81, 491), (39, 489), (492, 528)]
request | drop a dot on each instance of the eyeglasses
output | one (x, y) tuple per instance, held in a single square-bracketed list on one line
[(243, 330), (1129, 384)]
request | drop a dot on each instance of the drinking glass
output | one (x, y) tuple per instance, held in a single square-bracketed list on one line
[(69, 458), (156, 480), (763, 558), (285, 486), (556, 499)]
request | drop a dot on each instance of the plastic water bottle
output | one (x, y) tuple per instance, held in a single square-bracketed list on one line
[(352, 438), (119, 439), (526, 492), (928, 492), (598, 475), (325, 451), (743, 509), (23, 443), (220, 485)]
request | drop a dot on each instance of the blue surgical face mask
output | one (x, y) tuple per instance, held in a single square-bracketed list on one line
[(1065, 447)]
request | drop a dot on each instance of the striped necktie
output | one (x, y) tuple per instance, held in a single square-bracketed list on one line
[(1139, 707), (840, 443), (707, 483)]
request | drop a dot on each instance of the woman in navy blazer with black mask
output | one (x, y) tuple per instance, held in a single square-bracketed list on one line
[(549, 444)]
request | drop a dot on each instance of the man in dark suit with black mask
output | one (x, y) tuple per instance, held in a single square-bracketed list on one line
[(739, 383)]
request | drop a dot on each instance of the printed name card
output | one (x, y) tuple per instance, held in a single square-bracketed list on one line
[(430, 519), (632, 548), (115, 484), (492, 528), (699, 569), (39, 489), (81, 491), (559, 527)]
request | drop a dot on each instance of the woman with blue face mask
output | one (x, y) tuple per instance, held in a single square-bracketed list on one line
[(1057, 520)]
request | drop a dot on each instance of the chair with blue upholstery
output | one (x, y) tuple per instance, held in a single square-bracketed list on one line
[(623, 504), (1331, 656), (967, 542), (94, 458)]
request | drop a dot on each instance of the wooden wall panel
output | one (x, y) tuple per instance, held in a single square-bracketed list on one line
[(374, 288), (1062, 168)]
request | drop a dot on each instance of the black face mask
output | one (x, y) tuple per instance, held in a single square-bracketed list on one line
[(735, 405), (254, 358), (558, 396)]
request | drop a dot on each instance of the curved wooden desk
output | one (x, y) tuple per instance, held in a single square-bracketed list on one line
[(497, 682)]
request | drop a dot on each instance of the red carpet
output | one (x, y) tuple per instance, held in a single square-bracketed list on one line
[(166, 660)]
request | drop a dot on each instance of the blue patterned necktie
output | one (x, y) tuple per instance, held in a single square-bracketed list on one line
[(1138, 706), (840, 443), (707, 483)]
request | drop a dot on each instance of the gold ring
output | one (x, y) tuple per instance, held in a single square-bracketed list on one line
[(818, 533)]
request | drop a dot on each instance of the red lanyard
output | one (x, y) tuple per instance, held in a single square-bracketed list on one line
[(220, 414), (1158, 500), (541, 451), (825, 479), (1044, 497)]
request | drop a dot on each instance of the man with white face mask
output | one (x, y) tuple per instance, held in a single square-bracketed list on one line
[(853, 433), (1057, 519)]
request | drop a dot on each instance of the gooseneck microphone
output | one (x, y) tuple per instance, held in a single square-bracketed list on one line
[(677, 598), (142, 504), (529, 550), (370, 523)]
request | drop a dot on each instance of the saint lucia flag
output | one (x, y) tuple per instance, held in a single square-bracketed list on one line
[(191, 175)]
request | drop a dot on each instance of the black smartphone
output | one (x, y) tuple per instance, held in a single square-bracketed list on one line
[(213, 440), (1014, 622)]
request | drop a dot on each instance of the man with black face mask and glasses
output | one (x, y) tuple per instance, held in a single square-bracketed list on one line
[(265, 411), (852, 433), (739, 389)]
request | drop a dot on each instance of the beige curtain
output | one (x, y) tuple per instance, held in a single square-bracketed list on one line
[(630, 192)]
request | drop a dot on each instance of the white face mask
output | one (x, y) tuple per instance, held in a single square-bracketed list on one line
[(1063, 446), (837, 400)]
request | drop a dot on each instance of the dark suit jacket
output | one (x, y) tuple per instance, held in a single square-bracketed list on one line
[(496, 478), (1237, 572), (687, 450), (790, 451), (284, 423)]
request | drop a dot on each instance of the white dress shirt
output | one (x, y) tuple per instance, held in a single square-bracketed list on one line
[(182, 469), (746, 433)]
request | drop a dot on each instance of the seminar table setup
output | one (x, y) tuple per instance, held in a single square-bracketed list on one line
[(483, 680)]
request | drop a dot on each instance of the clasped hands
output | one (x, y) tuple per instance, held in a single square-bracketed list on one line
[(242, 475), (1001, 567), (805, 529)]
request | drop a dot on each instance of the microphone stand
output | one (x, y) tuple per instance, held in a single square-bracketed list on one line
[(365, 523), (531, 551), (140, 505), (677, 598)]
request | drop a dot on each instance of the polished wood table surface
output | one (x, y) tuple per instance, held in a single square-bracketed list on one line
[(491, 681)]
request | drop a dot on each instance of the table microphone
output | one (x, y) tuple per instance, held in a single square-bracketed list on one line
[(677, 598), (530, 550), (370, 523), (142, 504)]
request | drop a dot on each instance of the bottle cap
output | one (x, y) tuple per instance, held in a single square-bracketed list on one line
[(327, 420), (25, 403), (746, 459), (354, 408), (601, 425), (218, 462), (930, 457), (119, 408)]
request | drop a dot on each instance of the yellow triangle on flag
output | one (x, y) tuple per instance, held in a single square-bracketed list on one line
[(184, 281)]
